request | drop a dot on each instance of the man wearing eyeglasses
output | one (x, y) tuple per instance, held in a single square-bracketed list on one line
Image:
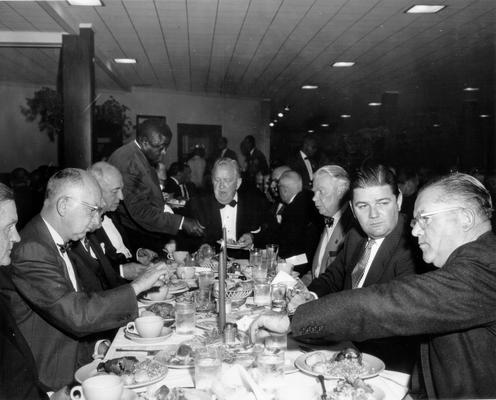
[(51, 308), (142, 212), (453, 307)]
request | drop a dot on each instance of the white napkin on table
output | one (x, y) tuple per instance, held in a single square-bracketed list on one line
[(394, 384), (284, 277)]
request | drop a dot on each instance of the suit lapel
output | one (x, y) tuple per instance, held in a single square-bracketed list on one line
[(154, 182)]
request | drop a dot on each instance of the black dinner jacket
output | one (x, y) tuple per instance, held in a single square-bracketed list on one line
[(297, 164), (115, 258), (171, 186), (18, 374), (228, 154)]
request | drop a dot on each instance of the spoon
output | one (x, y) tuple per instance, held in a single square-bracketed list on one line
[(324, 393)]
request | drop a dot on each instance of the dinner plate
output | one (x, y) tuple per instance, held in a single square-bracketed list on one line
[(289, 361), (373, 364), (233, 245), (166, 332), (169, 350), (89, 370)]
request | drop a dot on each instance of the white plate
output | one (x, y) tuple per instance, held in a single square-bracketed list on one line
[(374, 365), (89, 370), (171, 349), (166, 332), (233, 245)]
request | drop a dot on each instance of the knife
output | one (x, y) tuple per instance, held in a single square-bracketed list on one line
[(137, 349), (305, 349)]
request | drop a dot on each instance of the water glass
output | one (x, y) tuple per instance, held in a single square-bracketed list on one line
[(208, 363), (261, 294), (278, 296), (205, 279), (272, 252), (270, 374), (259, 273), (276, 342), (256, 257), (185, 317)]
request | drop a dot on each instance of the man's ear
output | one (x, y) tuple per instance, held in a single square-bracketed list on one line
[(351, 207), (62, 205), (240, 181), (467, 218), (399, 200)]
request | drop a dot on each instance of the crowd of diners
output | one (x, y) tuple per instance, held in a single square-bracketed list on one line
[(401, 262)]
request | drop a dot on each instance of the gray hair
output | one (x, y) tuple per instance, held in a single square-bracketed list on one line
[(6, 193), (334, 171), (227, 162), (101, 170), (294, 180), (59, 181), (465, 189)]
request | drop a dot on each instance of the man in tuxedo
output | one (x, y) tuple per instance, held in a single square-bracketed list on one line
[(177, 177), (142, 213), (452, 306), (51, 308), (254, 159), (330, 187), (224, 151), (241, 213), (303, 162)]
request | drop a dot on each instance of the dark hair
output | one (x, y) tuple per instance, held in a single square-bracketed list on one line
[(175, 168), (150, 126), (374, 175), (6, 193), (62, 178), (250, 140), (465, 189)]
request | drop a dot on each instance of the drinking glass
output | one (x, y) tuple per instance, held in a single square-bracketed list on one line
[(272, 252), (208, 363), (270, 374), (255, 257), (276, 342), (261, 294), (205, 281), (278, 296), (259, 273), (185, 317)]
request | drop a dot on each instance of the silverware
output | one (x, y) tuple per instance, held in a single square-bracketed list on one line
[(150, 352), (322, 383), (305, 349)]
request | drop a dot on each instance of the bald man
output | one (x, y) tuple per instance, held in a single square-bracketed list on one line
[(51, 309)]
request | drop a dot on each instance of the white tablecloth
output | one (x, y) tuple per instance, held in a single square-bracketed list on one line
[(394, 384)]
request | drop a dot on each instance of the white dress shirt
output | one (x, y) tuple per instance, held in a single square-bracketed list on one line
[(307, 164), (228, 216), (328, 230), (59, 241), (373, 252), (115, 237)]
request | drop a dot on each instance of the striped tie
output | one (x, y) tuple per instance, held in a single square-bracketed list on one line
[(359, 270)]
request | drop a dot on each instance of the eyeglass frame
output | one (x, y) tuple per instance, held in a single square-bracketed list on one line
[(93, 209), (426, 217)]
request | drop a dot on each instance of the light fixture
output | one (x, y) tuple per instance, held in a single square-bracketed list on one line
[(92, 3), (375, 104), (30, 39), (125, 60), (345, 116), (484, 115), (343, 64), (309, 87), (424, 9), (275, 121), (436, 125), (310, 131), (271, 124), (286, 108), (280, 115), (471, 89), (324, 125)]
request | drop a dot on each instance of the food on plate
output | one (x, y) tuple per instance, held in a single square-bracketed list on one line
[(133, 371), (164, 393), (344, 364), (164, 310), (181, 356), (352, 390)]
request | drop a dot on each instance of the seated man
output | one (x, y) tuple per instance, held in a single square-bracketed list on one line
[(51, 310), (177, 177), (241, 213), (453, 306), (378, 251)]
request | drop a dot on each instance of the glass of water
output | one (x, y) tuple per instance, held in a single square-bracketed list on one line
[(270, 372), (278, 296), (185, 317), (208, 363), (261, 294)]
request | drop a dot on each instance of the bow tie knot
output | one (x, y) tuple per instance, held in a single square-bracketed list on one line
[(64, 247), (329, 221), (232, 203)]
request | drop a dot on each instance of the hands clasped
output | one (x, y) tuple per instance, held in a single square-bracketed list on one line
[(268, 322)]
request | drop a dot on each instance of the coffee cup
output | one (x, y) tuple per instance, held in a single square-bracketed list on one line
[(180, 256), (185, 272), (100, 387), (148, 326), (286, 267)]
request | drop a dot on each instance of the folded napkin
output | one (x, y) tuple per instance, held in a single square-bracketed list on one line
[(284, 277), (394, 384)]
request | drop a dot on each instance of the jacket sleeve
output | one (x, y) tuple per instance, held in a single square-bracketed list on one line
[(39, 277)]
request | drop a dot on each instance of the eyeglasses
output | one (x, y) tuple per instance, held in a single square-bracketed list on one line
[(424, 219), (94, 210)]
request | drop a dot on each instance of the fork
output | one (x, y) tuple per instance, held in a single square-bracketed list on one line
[(322, 383)]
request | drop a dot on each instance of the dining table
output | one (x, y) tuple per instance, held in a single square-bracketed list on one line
[(393, 384)]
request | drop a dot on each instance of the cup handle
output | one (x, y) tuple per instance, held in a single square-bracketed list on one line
[(130, 327), (77, 393)]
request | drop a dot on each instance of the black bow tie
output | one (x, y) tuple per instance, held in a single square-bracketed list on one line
[(64, 247), (232, 204), (329, 221)]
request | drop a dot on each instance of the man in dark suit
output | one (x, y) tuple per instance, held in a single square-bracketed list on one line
[(242, 213), (254, 159), (303, 161), (452, 306), (330, 195), (142, 212), (224, 151), (51, 308), (175, 184)]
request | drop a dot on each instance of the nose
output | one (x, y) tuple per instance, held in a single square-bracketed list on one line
[(373, 213), (120, 195), (15, 238), (314, 198), (416, 230)]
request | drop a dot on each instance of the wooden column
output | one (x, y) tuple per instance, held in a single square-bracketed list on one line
[(78, 91)]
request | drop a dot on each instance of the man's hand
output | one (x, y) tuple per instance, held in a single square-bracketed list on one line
[(151, 277), (246, 240), (193, 227), (145, 256), (132, 270), (269, 321)]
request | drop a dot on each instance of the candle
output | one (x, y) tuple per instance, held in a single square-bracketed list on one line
[(222, 282)]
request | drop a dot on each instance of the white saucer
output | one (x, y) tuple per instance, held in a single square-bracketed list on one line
[(166, 332)]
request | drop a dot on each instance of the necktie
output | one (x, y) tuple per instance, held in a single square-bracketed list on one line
[(232, 204), (358, 271), (64, 247), (329, 221), (86, 243)]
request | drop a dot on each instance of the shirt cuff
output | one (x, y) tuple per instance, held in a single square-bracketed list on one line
[(121, 271), (49, 394), (181, 224)]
